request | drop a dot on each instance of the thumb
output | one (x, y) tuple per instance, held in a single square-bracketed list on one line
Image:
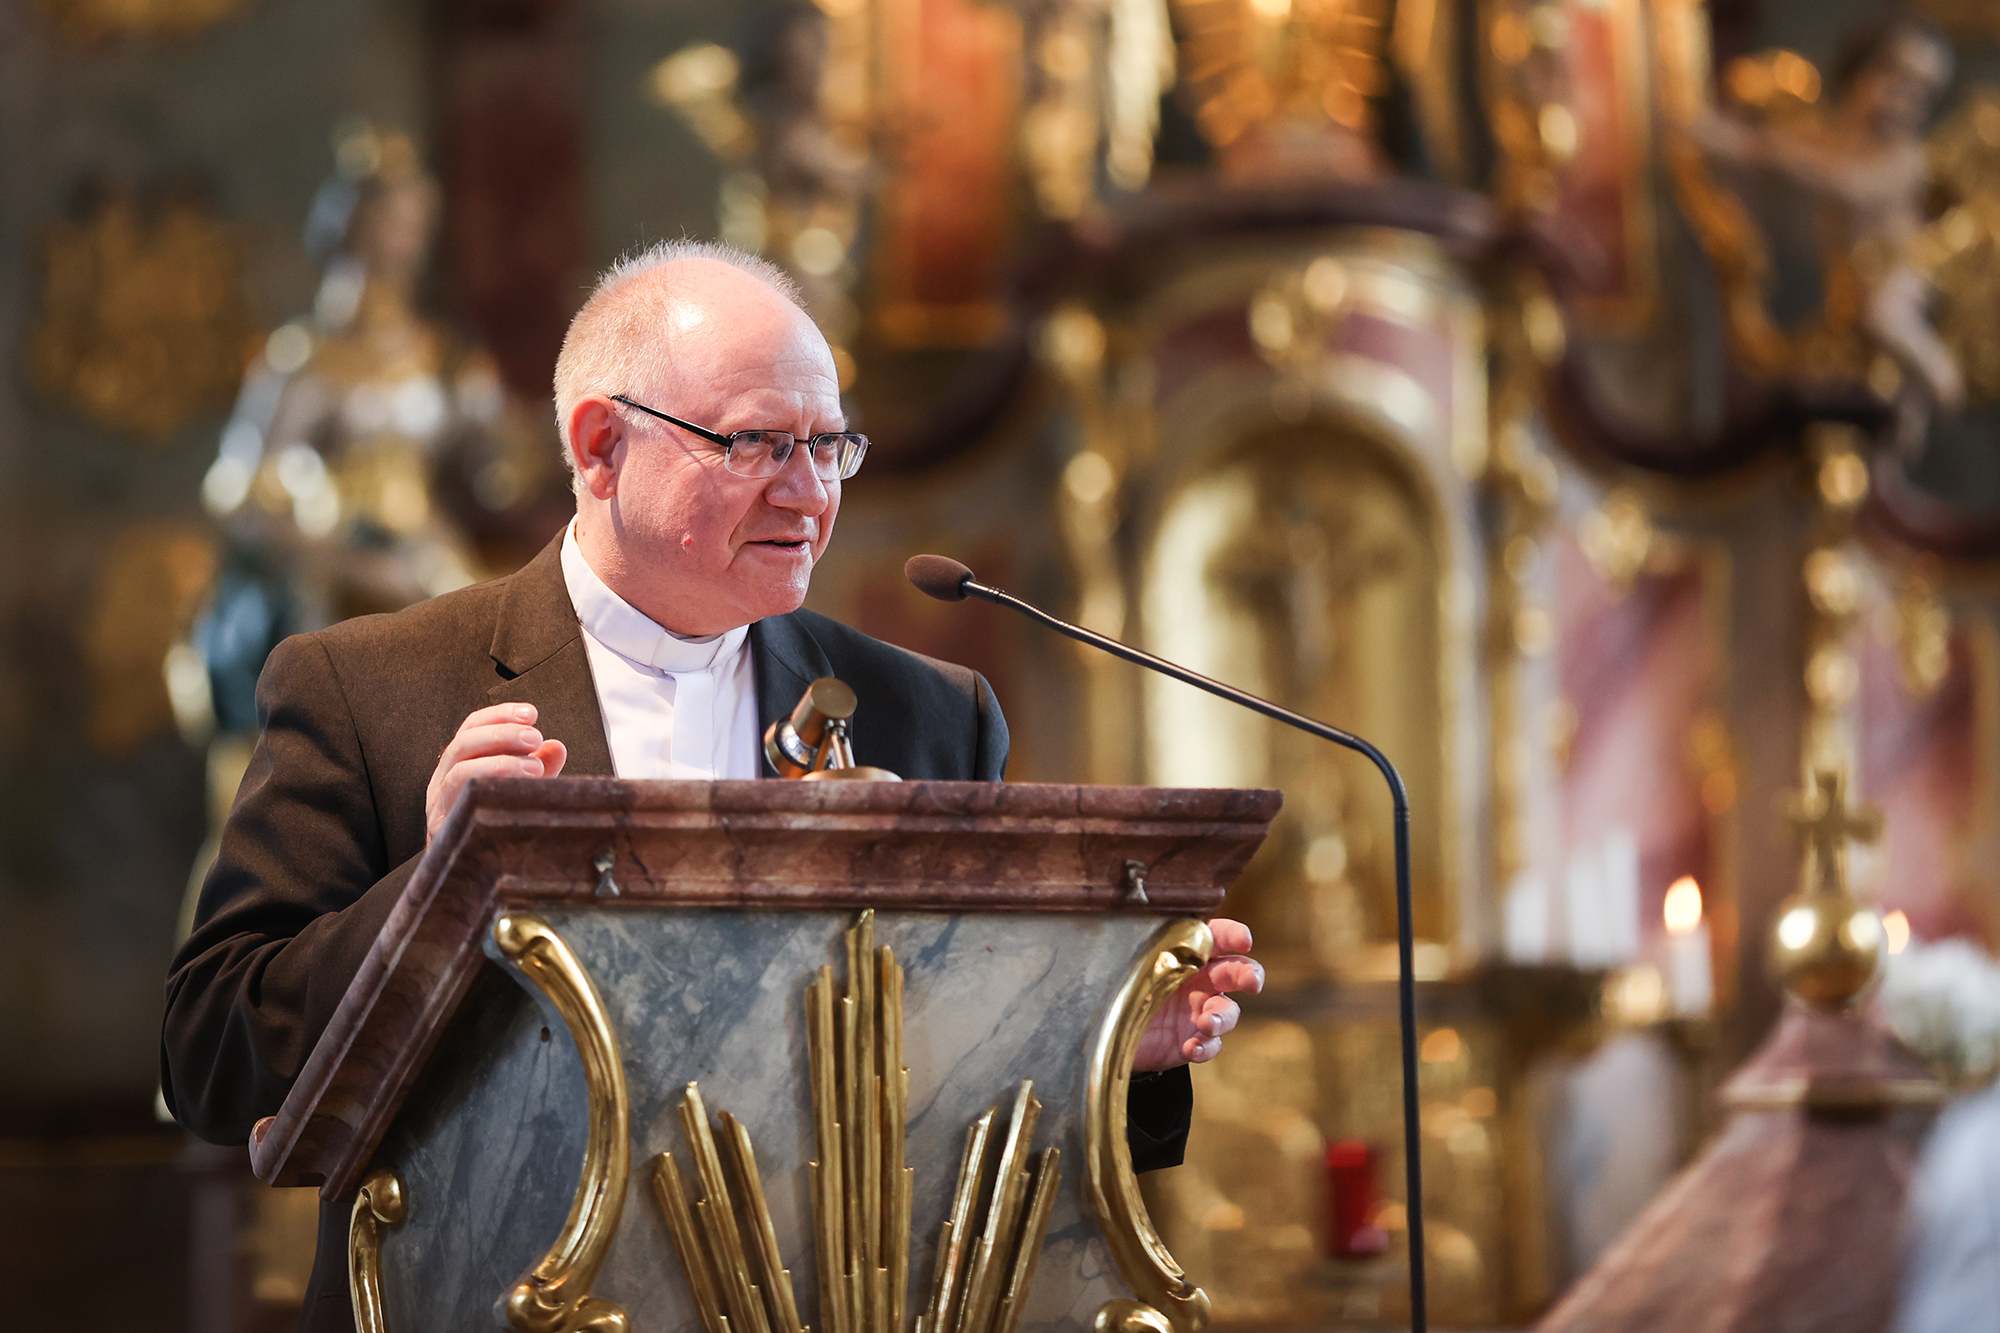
[(553, 754)]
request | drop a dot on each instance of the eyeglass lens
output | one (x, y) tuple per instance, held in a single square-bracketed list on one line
[(764, 453)]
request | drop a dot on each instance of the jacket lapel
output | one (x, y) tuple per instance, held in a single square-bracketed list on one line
[(785, 659), (538, 650)]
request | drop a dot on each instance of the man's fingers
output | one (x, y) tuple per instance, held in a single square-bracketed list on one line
[(494, 713), (496, 738), (1209, 1014), (1230, 936), (1200, 1050), (544, 759), (484, 728), (489, 766), (1234, 974), (1218, 1018)]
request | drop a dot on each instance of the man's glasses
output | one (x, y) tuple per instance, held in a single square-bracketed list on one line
[(836, 455)]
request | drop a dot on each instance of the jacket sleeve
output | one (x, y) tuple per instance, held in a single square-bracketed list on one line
[(1157, 1111), (989, 754), (299, 889)]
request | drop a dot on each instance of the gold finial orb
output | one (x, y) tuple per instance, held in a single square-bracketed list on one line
[(1825, 949)]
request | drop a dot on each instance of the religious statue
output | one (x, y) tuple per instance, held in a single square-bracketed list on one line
[(797, 149), (868, 150), (1860, 170), (350, 426)]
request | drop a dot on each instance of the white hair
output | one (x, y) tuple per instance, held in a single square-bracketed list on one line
[(608, 347)]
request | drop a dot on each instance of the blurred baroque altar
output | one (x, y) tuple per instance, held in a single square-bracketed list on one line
[(1596, 403)]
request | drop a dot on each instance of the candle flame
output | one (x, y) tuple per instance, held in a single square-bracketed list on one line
[(1897, 927), (1683, 907)]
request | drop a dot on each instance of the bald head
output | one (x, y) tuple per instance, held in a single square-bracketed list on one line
[(717, 346), (653, 315)]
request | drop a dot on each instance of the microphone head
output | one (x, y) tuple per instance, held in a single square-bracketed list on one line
[(938, 576)]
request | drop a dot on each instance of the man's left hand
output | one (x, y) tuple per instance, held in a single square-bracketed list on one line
[(1190, 1026)]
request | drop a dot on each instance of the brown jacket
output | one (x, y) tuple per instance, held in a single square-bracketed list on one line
[(329, 821)]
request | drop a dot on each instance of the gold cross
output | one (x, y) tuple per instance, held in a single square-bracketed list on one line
[(1824, 819)]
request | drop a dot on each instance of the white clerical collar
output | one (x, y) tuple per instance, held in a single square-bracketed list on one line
[(630, 632)]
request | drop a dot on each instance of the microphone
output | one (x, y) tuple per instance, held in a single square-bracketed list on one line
[(949, 581), (939, 576)]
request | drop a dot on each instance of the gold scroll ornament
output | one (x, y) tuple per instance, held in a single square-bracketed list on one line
[(861, 1188), (1166, 1297), (554, 1295), (379, 1203)]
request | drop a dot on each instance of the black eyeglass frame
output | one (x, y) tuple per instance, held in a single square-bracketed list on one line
[(728, 442)]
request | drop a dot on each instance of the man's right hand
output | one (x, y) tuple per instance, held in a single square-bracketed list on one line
[(496, 742)]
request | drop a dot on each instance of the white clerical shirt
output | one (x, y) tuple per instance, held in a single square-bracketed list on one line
[(673, 707)]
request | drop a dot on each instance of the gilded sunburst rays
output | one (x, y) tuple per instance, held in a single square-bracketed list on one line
[(861, 1187)]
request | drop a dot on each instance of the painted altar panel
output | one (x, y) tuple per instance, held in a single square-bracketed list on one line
[(1606, 187), (1927, 727), (1569, 89), (945, 222), (1644, 753)]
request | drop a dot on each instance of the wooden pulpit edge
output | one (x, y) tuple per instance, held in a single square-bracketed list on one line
[(958, 846)]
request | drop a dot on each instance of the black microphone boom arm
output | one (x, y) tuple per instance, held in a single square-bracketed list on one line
[(948, 580)]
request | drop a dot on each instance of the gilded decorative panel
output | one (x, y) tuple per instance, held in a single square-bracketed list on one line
[(143, 322), (1927, 717), (92, 21), (1283, 88)]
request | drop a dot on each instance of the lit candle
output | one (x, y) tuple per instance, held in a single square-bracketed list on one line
[(1689, 976), (1896, 929)]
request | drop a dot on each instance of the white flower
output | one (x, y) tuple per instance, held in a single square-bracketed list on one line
[(1943, 1000)]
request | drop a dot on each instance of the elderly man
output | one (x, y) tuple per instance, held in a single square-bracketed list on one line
[(655, 638)]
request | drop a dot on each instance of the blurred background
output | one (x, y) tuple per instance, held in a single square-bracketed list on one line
[(1594, 402)]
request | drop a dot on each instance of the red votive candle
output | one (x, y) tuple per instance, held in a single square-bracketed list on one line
[(1351, 1200)]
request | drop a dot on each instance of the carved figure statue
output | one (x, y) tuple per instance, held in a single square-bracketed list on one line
[(1862, 165), (798, 135), (329, 479)]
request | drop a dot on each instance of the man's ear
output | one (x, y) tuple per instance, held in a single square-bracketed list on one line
[(596, 440)]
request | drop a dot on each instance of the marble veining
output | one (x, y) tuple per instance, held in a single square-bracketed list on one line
[(490, 1145)]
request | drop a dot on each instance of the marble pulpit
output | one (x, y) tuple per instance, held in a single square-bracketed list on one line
[(755, 1057)]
